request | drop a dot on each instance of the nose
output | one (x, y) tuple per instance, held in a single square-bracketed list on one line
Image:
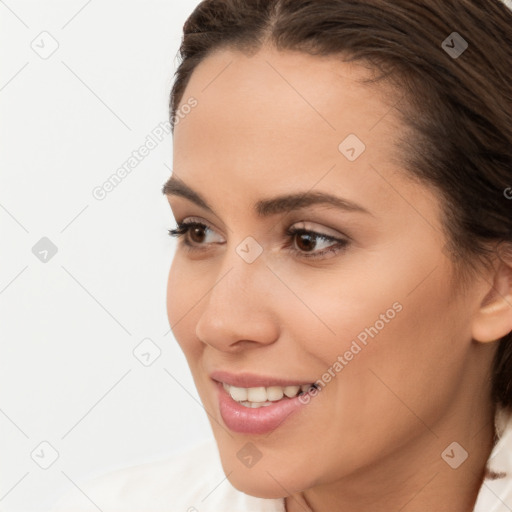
[(238, 312)]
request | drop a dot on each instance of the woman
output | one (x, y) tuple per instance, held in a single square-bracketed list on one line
[(342, 286)]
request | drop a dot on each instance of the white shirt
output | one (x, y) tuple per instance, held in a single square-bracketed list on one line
[(194, 481)]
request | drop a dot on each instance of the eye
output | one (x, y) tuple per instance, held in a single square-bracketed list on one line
[(307, 241), (195, 233)]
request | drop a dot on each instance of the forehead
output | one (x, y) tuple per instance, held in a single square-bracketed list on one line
[(280, 114), (298, 95), (277, 120)]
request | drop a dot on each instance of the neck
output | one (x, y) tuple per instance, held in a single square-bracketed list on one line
[(416, 478)]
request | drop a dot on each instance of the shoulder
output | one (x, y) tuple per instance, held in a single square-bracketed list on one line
[(190, 481), (495, 494)]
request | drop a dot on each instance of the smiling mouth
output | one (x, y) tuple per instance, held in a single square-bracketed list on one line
[(265, 396)]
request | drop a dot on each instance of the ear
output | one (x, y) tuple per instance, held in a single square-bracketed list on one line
[(493, 320)]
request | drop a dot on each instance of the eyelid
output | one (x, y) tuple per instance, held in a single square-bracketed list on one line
[(327, 232), (298, 225), (339, 244), (198, 220), (189, 222)]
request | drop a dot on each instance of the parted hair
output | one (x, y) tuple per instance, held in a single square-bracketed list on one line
[(456, 107)]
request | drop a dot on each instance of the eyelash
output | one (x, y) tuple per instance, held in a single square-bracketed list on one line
[(184, 227)]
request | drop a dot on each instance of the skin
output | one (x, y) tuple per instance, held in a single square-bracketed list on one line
[(372, 439)]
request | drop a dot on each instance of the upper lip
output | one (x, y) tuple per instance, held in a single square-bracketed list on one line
[(251, 380)]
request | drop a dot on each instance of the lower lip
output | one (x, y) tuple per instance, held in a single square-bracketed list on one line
[(246, 420)]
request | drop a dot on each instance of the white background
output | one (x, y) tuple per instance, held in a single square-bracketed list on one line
[(68, 326)]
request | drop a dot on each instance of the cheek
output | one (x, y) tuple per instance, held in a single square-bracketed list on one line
[(175, 289), (183, 295), (391, 346), (406, 372)]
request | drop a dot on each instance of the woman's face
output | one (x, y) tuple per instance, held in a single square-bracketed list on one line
[(370, 315)]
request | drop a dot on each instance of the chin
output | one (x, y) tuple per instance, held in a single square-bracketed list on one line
[(258, 485), (264, 480)]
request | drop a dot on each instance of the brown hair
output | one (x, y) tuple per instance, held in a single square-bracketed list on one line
[(458, 107)]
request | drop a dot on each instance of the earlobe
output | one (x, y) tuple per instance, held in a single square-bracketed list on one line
[(493, 320)]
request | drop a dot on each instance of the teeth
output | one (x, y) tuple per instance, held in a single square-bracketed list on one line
[(275, 393), (291, 391), (256, 395), (255, 405), (260, 396), (239, 394)]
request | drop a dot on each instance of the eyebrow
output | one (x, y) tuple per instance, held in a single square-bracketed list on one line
[(266, 207)]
